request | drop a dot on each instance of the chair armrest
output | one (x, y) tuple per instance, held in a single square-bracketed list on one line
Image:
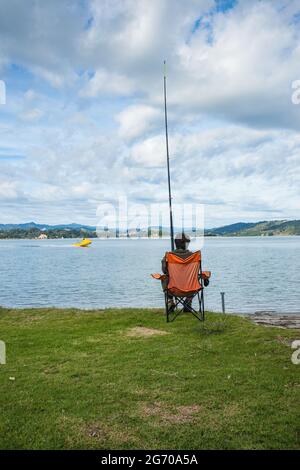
[(158, 276), (206, 274)]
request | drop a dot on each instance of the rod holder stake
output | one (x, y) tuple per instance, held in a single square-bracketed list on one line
[(223, 301)]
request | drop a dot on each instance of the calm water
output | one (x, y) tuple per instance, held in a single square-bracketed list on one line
[(256, 273)]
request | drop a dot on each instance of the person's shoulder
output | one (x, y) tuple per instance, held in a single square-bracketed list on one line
[(189, 253), (183, 253)]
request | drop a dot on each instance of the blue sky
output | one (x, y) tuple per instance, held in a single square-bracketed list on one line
[(83, 121)]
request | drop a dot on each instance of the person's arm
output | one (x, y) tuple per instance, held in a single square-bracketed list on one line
[(164, 265)]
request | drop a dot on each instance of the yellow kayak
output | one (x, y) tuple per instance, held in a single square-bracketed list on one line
[(85, 242)]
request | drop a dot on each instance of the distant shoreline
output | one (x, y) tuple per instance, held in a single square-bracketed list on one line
[(146, 238), (32, 230)]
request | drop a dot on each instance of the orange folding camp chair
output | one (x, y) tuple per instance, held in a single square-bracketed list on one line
[(185, 281)]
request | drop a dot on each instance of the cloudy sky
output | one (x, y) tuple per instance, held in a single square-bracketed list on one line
[(83, 121)]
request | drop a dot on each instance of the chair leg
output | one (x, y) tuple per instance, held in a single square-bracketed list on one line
[(182, 303), (167, 306), (202, 304), (190, 309)]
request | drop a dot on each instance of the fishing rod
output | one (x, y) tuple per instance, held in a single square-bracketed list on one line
[(168, 160)]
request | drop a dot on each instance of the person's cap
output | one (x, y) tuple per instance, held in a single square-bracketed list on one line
[(182, 236)]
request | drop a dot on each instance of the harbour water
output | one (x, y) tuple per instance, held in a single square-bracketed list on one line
[(256, 273)]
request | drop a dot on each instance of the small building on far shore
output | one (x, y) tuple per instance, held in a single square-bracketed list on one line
[(42, 236)]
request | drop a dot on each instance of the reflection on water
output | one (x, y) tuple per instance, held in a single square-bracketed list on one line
[(256, 273)]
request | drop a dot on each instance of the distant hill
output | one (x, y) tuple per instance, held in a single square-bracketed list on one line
[(265, 228), (33, 225), (230, 229), (32, 230)]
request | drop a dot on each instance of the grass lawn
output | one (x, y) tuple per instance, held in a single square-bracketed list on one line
[(105, 379)]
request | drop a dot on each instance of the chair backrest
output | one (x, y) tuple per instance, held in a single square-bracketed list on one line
[(184, 273)]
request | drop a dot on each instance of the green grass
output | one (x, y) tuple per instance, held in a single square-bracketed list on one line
[(82, 383)]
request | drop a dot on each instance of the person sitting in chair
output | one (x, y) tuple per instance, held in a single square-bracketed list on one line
[(182, 241)]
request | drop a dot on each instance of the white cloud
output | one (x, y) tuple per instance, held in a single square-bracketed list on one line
[(8, 190), (133, 35), (244, 72), (137, 120), (32, 114), (42, 36), (149, 153), (239, 172), (103, 83)]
